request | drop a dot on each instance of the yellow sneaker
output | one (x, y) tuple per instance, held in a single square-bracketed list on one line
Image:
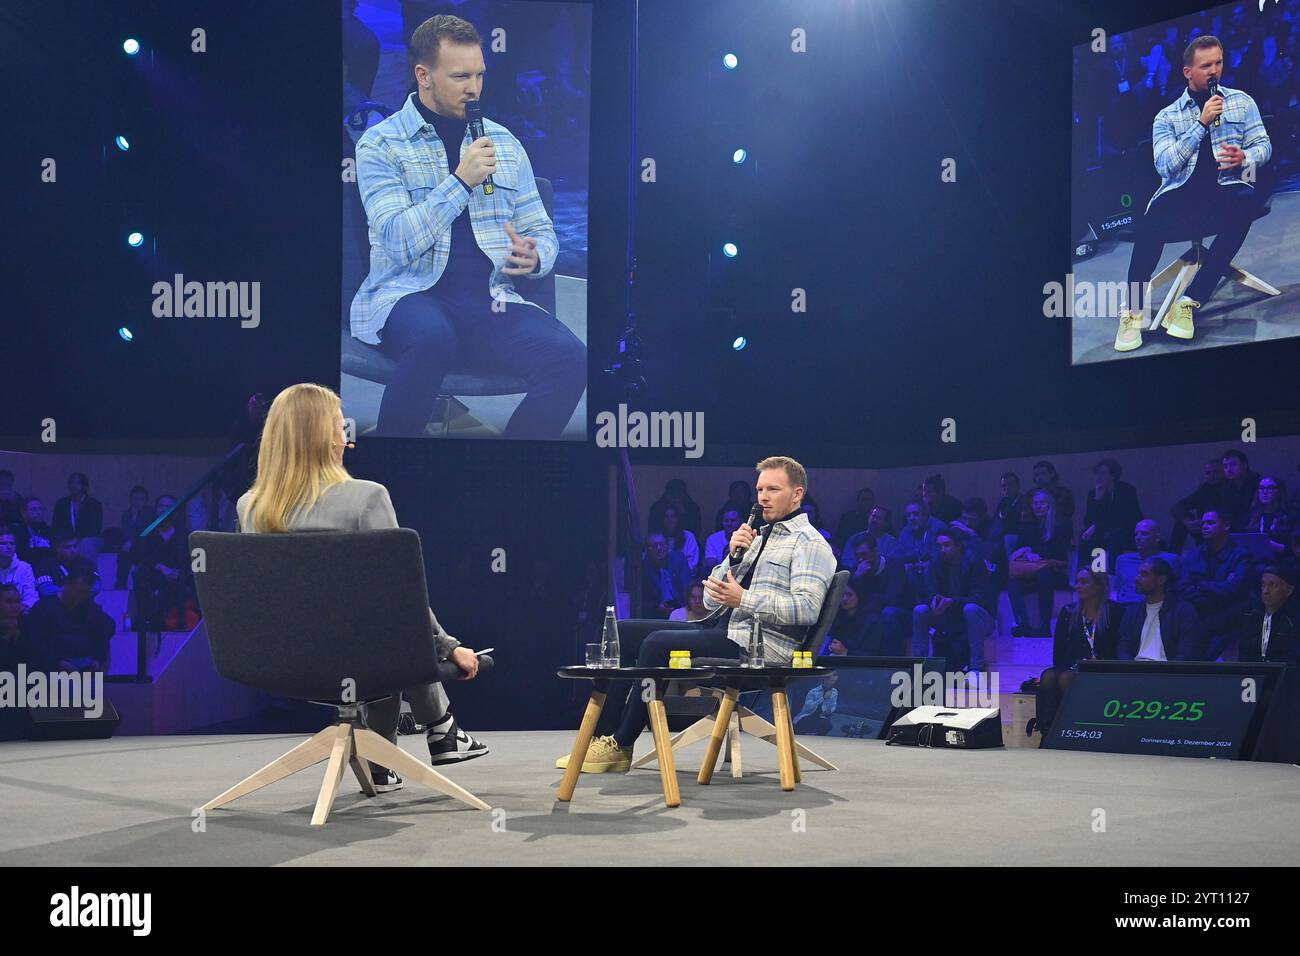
[(1129, 335), (603, 756), (1178, 320)]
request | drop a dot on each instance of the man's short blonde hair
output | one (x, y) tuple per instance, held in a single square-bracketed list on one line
[(796, 472)]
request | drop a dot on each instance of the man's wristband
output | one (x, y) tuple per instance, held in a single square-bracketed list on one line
[(1203, 126), (468, 188)]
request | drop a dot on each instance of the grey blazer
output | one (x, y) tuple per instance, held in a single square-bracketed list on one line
[(352, 505)]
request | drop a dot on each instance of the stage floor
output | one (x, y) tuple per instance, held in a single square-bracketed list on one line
[(130, 801)]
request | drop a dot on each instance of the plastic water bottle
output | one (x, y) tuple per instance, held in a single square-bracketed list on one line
[(609, 651), (756, 644)]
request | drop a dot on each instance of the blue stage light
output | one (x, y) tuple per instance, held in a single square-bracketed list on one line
[(729, 250), (122, 142), (131, 46), (135, 240), (125, 333), (739, 342), (730, 61), (739, 156)]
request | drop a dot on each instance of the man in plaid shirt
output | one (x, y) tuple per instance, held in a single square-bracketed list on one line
[(445, 251), (781, 581), (1206, 151)]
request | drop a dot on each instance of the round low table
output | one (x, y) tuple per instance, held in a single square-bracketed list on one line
[(737, 679), (600, 678)]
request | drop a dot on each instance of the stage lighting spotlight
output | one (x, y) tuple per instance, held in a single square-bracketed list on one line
[(730, 61), (131, 46), (739, 342), (739, 156), (729, 250), (122, 142), (125, 333), (135, 240)]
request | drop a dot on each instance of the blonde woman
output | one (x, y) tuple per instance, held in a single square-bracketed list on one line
[(302, 485)]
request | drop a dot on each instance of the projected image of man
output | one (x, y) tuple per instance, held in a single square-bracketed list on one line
[(1207, 145), (452, 253)]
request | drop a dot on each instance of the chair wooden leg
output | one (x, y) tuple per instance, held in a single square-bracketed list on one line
[(595, 703), (1168, 273), (696, 731), (361, 769), (1251, 281), (307, 753), (751, 723), (784, 741), (340, 755), (721, 726), (378, 750), (667, 767), (733, 747)]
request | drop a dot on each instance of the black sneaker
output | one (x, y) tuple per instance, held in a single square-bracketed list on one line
[(449, 744), (384, 779)]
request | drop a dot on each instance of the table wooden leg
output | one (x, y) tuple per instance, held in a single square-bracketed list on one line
[(579, 753), (663, 747), (726, 707), (794, 746), (784, 737)]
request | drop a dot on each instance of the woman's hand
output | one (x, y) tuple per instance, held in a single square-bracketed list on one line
[(466, 660)]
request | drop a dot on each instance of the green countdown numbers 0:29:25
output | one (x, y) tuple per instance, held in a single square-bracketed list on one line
[(1155, 709)]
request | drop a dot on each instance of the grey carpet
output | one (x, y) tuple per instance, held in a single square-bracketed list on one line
[(130, 801)]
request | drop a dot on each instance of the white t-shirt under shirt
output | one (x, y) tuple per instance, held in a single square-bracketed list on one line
[(1153, 645)]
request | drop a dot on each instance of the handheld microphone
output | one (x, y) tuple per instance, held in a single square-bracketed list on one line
[(474, 118), (753, 521), (1214, 91)]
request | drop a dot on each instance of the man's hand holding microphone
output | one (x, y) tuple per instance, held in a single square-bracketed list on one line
[(729, 592), (478, 161)]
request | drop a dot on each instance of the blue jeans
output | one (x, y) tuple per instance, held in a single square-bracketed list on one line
[(976, 625), (431, 334)]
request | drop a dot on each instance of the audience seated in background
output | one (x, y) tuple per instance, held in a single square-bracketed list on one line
[(885, 599), (676, 496), (1111, 512), (1216, 581), (54, 569), (847, 633), (680, 539), (880, 525), (1086, 630), (852, 522), (15, 571), (973, 526), (1240, 488), (1046, 479), (135, 519), (68, 631), (13, 652), (1163, 627), (33, 534), (163, 581), (665, 577), (1270, 516), (938, 502), (694, 610), (718, 543), (1269, 628), (1008, 517), (959, 605), (1038, 565), (815, 518), (82, 515), (11, 502), (739, 496), (1187, 512), (1148, 544), (916, 542)]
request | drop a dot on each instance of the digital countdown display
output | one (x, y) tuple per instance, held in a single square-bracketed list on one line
[(1177, 715)]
